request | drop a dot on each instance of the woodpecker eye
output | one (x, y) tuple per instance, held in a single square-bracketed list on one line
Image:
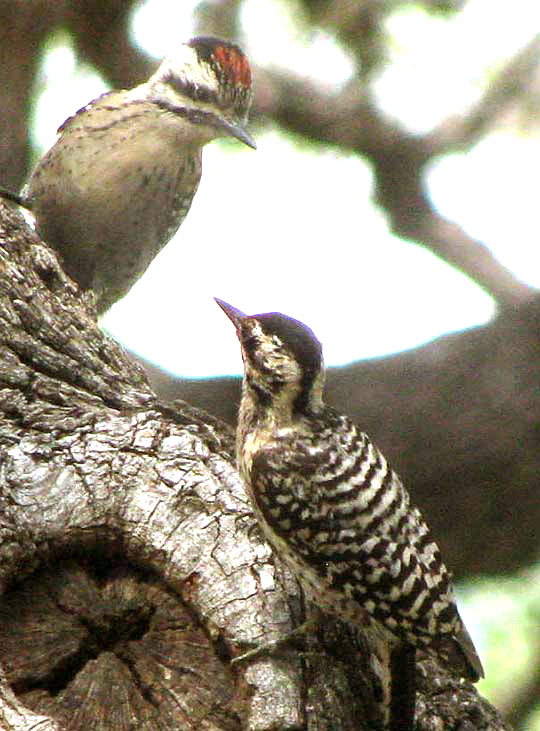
[(249, 345)]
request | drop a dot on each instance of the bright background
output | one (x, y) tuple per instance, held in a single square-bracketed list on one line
[(291, 227)]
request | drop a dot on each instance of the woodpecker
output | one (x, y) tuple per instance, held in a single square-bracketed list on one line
[(337, 514), (121, 177)]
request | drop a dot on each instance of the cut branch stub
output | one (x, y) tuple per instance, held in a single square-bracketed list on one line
[(69, 635)]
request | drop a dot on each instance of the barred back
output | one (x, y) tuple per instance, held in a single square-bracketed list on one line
[(339, 515)]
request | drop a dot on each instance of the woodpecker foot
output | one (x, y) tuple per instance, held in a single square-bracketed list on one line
[(266, 649), (9, 195)]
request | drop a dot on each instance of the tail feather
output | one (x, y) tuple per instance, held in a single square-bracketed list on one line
[(403, 687), (472, 662), (459, 655)]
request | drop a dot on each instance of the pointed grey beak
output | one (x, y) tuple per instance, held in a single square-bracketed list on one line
[(235, 130), (234, 315)]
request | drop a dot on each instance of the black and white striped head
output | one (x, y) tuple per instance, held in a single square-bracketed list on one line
[(283, 361), (207, 81)]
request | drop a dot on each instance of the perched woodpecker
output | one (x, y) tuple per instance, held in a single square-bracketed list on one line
[(337, 514), (121, 177)]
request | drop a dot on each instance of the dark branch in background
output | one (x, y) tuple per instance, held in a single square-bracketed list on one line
[(23, 31), (219, 19), (103, 38), (513, 82), (519, 707), (350, 120), (358, 26)]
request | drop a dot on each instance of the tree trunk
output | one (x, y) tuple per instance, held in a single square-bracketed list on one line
[(131, 569)]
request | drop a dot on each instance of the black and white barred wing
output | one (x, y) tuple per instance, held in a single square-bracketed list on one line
[(340, 509)]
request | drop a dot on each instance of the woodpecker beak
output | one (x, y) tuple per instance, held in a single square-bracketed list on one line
[(234, 315), (235, 130)]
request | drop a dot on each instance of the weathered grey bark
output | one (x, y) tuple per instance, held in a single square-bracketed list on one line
[(130, 567)]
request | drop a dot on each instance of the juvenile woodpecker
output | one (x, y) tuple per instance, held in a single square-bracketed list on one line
[(120, 179), (332, 508)]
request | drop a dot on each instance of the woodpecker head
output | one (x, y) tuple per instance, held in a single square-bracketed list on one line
[(283, 363), (208, 82)]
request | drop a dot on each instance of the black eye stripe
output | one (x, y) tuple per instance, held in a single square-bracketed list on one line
[(250, 344)]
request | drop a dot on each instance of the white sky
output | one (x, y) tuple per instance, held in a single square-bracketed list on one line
[(293, 229)]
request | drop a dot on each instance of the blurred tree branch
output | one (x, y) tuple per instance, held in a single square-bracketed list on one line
[(518, 706), (23, 29), (512, 83), (351, 120)]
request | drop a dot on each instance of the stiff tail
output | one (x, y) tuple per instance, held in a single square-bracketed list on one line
[(403, 687), (472, 661), (459, 655)]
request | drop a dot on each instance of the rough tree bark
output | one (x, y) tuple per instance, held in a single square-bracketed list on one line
[(130, 567)]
